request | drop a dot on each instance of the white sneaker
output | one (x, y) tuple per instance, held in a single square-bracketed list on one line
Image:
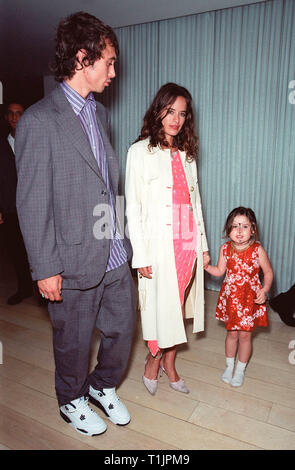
[(227, 375), (110, 403), (239, 375), (238, 379), (82, 418)]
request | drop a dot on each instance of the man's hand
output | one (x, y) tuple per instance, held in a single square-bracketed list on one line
[(1, 218), (51, 287)]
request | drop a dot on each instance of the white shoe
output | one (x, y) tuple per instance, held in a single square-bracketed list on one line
[(82, 418), (110, 403), (238, 379), (227, 375), (239, 375)]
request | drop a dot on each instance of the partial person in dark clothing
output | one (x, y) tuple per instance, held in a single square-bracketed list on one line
[(13, 239), (284, 305)]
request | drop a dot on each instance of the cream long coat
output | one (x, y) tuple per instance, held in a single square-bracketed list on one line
[(148, 192)]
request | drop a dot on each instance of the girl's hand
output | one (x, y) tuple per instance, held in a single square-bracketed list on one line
[(206, 259), (260, 297), (267, 273), (218, 270), (145, 272)]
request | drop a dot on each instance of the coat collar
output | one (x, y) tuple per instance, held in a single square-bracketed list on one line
[(72, 128), (164, 163), (165, 153), (112, 160)]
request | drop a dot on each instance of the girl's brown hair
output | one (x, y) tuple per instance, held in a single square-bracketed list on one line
[(186, 140), (249, 213)]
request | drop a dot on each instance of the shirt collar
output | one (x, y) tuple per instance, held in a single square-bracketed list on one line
[(77, 101), (10, 139)]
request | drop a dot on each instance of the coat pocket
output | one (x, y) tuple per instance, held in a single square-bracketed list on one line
[(69, 238)]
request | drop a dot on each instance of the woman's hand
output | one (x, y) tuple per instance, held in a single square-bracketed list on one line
[(206, 259), (145, 272)]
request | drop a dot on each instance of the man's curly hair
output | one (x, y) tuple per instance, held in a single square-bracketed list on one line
[(80, 31)]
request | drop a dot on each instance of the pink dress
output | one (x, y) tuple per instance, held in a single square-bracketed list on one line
[(184, 227), (184, 233)]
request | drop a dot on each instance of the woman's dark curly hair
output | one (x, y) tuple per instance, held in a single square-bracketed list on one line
[(186, 140), (80, 31)]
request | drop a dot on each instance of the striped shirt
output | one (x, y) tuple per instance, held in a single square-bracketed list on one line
[(86, 112)]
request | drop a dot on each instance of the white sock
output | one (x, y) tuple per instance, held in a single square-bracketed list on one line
[(227, 374), (239, 374)]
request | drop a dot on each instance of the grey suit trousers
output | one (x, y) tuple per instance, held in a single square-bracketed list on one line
[(111, 307)]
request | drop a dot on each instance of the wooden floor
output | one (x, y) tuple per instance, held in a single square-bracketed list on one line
[(259, 415)]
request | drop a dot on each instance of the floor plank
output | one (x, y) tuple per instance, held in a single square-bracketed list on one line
[(22, 433), (249, 430)]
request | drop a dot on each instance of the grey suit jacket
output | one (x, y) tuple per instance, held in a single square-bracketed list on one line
[(59, 185)]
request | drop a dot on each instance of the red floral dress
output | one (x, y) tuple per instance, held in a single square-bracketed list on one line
[(235, 304)]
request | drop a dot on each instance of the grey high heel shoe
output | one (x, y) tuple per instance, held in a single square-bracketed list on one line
[(179, 386), (151, 384)]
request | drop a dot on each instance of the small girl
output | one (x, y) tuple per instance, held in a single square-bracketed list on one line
[(241, 302)]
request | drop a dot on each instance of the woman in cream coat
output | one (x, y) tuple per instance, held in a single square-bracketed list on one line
[(168, 127)]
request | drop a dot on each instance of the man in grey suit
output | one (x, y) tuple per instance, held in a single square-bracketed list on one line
[(67, 173)]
